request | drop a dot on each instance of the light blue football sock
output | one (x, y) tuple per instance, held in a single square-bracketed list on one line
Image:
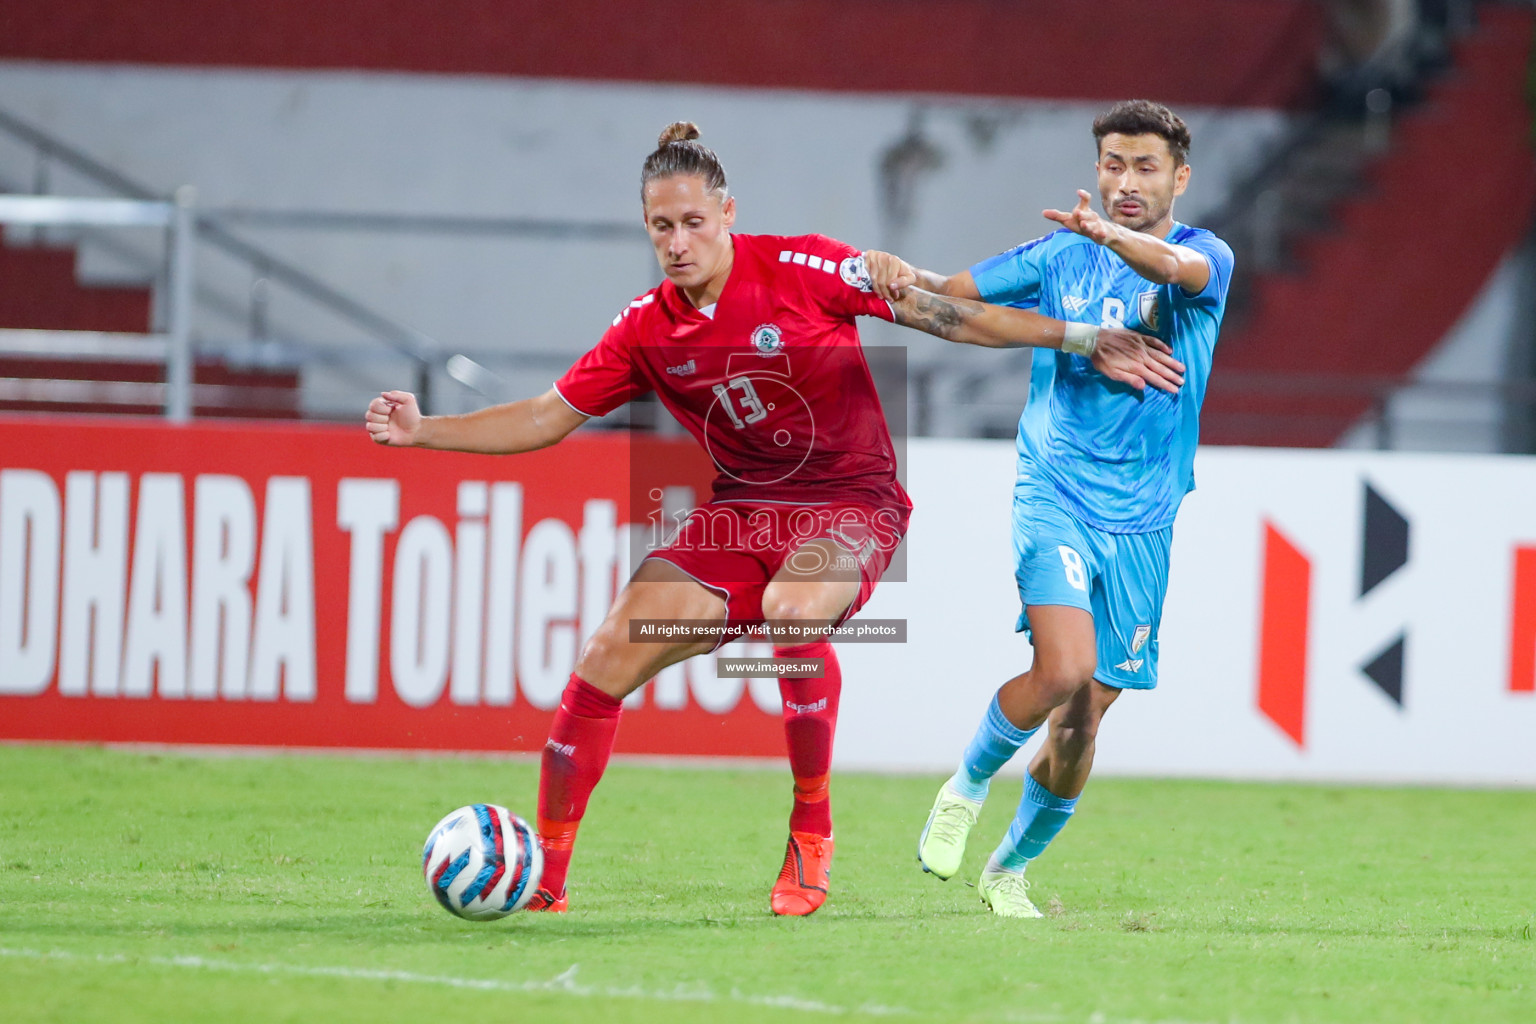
[(996, 740), (1041, 815)]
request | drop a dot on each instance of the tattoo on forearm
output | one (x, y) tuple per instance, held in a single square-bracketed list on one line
[(936, 314)]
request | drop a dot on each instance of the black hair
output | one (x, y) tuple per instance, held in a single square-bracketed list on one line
[(1143, 117)]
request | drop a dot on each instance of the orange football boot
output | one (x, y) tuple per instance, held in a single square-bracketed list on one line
[(557, 838), (802, 884), (548, 902)]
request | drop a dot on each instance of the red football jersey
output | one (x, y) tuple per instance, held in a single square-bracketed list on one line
[(774, 384)]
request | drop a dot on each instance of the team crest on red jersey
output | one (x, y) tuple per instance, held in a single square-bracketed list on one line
[(855, 274), (768, 340)]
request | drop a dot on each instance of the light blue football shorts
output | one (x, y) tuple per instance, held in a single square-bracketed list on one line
[(1119, 578)]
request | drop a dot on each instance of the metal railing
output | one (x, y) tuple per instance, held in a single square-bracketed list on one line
[(1507, 406), (946, 400), (202, 227), (172, 348), (1380, 412), (219, 229)]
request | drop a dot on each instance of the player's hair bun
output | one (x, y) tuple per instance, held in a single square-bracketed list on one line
[(679, 153), (678, 131)]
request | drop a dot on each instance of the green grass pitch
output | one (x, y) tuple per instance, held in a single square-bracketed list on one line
[(145, 887)]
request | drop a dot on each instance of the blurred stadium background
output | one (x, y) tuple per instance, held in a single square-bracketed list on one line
[(276, 210), (215, 213), (376, 187)]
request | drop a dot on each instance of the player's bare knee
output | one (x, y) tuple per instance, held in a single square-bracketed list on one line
[(1074, 736), (606, 653), (793, 619), (779, 606), (1062, 677), (794, 629)]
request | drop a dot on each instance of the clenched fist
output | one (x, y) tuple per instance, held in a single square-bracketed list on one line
[(393, 419)]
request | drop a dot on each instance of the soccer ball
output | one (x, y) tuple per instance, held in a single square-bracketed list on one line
[(482, 862)]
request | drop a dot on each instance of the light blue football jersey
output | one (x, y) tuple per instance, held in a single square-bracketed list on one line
[(1120, 459)]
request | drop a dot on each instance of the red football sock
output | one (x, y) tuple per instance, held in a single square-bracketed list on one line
[(810, 720), (580, 740)]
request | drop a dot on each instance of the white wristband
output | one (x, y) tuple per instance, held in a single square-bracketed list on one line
[(1080, 339)]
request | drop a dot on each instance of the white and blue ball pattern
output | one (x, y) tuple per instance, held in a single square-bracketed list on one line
[(482, 862)]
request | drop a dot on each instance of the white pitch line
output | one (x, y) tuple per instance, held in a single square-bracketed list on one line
[(563, 983)]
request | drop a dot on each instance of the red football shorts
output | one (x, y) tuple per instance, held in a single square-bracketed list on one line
[(737, 548)]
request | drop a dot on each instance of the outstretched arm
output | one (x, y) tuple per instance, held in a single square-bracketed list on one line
[(1148, 255), (1125, 356), (892, 275), (524, 426)]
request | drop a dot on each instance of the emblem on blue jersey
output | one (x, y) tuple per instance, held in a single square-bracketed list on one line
[(1147, 307), (1139, 640), (855, 274), (768, 340)]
